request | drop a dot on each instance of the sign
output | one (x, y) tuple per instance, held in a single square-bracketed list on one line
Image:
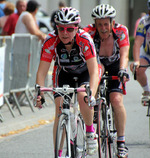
[(2, 64)]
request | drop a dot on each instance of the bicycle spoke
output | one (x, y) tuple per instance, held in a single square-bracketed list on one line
[(102, 131), (80, 144)]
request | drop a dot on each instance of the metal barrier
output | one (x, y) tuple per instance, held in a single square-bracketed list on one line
[(21, 63), (7, 79)]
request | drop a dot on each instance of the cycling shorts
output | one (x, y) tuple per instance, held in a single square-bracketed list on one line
[(144, 55), (114, 85), (68, 78)]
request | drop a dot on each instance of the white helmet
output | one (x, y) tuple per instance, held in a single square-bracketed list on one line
[(103, 11), (148, 4), (68, 15)]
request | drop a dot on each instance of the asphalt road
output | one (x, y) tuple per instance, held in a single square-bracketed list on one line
[(37, 143)]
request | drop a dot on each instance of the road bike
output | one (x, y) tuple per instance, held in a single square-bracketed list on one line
[(71, 130), (144, 102), (104, 118)]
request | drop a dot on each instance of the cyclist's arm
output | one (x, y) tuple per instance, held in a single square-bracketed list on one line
[(124, 53), (42, 72), (93, 72), (31, 25), (136, 48)]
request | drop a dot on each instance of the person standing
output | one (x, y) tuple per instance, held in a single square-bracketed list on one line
[(9, 27), (2, 6), (141, 54), (27, 22), (8, 10), (112, 46)]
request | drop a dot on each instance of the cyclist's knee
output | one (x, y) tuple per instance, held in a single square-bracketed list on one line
[(116, 101)]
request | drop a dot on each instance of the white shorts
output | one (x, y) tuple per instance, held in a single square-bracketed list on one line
[(144, 55)]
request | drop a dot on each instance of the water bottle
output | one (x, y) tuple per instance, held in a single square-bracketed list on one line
[(73, 124)]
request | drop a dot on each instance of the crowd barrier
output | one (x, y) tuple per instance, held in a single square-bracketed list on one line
[(22, 56)]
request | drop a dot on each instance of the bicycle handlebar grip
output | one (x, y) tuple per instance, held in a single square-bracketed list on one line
[(37, 88), (88, 92)]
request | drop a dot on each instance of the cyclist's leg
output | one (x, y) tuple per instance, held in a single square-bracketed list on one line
[(87, 114), (116, 99), (142, 77)]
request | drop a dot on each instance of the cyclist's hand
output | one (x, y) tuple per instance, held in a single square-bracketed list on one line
[(92, 101), (39, 101), (123, 75), (134, 66)]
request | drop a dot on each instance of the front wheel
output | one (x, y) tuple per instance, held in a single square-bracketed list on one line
[(62, 144), (80, 143), (104, 148)]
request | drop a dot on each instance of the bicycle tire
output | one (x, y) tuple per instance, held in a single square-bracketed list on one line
[(80, 142), (113, 135), (104, 148), (62, 133)]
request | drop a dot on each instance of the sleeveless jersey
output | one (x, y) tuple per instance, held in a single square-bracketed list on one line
[(121, 39), (144, 31), (73, 61)]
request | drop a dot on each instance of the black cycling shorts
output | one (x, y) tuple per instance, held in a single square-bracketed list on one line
[(68, 78), (114, 85)]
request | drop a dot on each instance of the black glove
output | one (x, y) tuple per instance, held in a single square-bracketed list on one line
[(122, 73), (42, 100)]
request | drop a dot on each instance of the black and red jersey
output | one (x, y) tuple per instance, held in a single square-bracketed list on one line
[(82, 50), (121, 39)]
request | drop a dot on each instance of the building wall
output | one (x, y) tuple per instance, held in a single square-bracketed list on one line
[(128, 11)]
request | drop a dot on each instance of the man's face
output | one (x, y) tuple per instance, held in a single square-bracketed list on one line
[(104, 27), (21, 6)]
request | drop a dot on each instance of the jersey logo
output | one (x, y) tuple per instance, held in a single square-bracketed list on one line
[(64, 56), (47, 51), (123, 36)]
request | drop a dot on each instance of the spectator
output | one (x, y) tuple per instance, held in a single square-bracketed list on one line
[(9, 27), (60, 5), (137, 22), (9, 9), (27, 21), (2, 6)]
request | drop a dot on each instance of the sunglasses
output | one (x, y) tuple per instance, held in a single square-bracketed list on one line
[(68, 29)]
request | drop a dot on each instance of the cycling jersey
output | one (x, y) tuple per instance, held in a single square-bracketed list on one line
[(121, 39), (111, 63), (144, 31), (73, 61)]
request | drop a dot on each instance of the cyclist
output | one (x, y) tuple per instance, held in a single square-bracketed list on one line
[(141, 54), (74, 54), (112, 47)]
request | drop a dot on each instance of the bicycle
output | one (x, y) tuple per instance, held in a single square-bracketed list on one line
[(144, 102), (71, 134), (107, 144)]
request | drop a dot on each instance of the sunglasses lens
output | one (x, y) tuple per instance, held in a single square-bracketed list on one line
[(70, 29), (61, 29)]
